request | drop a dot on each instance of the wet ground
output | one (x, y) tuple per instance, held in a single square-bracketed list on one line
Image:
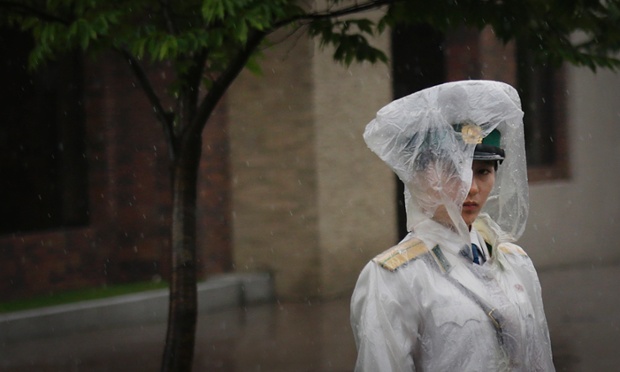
[(581, 304)]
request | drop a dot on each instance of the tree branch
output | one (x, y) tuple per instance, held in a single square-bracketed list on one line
[(195, 79), (237, 64), (336, 13), (165, 118), (222, 83), (168, 16)]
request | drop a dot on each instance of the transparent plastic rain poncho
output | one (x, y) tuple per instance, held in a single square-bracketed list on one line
[(416, 137), (435, 310)]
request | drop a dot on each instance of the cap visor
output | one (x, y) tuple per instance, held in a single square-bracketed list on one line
[(487, 156)]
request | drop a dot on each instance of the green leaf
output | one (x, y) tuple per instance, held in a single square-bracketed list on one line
[(213, 10), (253, 66)]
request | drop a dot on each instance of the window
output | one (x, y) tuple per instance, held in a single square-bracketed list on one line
[(542, 96), (42, 155)]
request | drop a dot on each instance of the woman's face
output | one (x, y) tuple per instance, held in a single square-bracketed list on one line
[(481, 185), (483, 179)]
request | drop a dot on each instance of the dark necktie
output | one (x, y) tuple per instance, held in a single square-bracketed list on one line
[(476, 254)]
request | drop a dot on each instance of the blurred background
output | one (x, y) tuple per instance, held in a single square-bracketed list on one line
[(287, 187)]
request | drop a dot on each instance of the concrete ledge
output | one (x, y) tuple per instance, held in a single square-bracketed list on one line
[(217, 293)]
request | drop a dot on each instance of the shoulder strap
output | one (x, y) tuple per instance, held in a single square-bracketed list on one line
[(511, 249), (400, 254)]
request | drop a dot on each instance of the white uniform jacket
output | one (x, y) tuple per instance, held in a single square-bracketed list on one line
[(423, 306)]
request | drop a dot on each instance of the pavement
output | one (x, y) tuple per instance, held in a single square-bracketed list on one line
[(581, 306)]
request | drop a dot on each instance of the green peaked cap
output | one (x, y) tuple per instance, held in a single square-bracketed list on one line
[(493, 139), (489, 148)]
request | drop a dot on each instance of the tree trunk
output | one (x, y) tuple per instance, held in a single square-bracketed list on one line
[(182, 313)]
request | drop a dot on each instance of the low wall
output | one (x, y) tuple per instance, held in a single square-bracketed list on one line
[(217, 293)]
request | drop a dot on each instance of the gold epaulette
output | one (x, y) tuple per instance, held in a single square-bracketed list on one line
[(400, 254), (511, 249)]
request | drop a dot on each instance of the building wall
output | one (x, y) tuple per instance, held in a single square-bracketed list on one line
[(128, 170), (126, 234), (356, 200), (577, 221), (274, 188), (300, 196), (127, 238), (315, 220), (311, 204)]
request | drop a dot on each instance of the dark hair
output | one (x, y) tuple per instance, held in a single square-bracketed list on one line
[(496, 163), (427, 144)]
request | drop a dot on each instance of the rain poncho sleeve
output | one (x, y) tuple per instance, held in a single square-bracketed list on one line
[(384, 340)]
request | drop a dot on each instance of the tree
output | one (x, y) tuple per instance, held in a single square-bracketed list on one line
[(208, 42)]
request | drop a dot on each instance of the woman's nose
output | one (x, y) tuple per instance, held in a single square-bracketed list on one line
[(473, 190)]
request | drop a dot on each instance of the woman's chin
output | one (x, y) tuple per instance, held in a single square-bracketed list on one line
[(469, 218)]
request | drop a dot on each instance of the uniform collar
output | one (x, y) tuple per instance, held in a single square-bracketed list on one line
[(444, 243), (478, 240)]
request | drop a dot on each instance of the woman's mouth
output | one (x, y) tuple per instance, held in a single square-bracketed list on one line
[(470, 205)]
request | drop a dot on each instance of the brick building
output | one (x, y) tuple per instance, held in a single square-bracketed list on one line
[(86, 186), (312, 204), (287, 184)]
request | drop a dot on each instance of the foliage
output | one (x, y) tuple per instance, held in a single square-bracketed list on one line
[(581, 32), (165, 30)]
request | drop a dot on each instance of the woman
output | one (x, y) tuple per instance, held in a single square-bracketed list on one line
[(456, 294)]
